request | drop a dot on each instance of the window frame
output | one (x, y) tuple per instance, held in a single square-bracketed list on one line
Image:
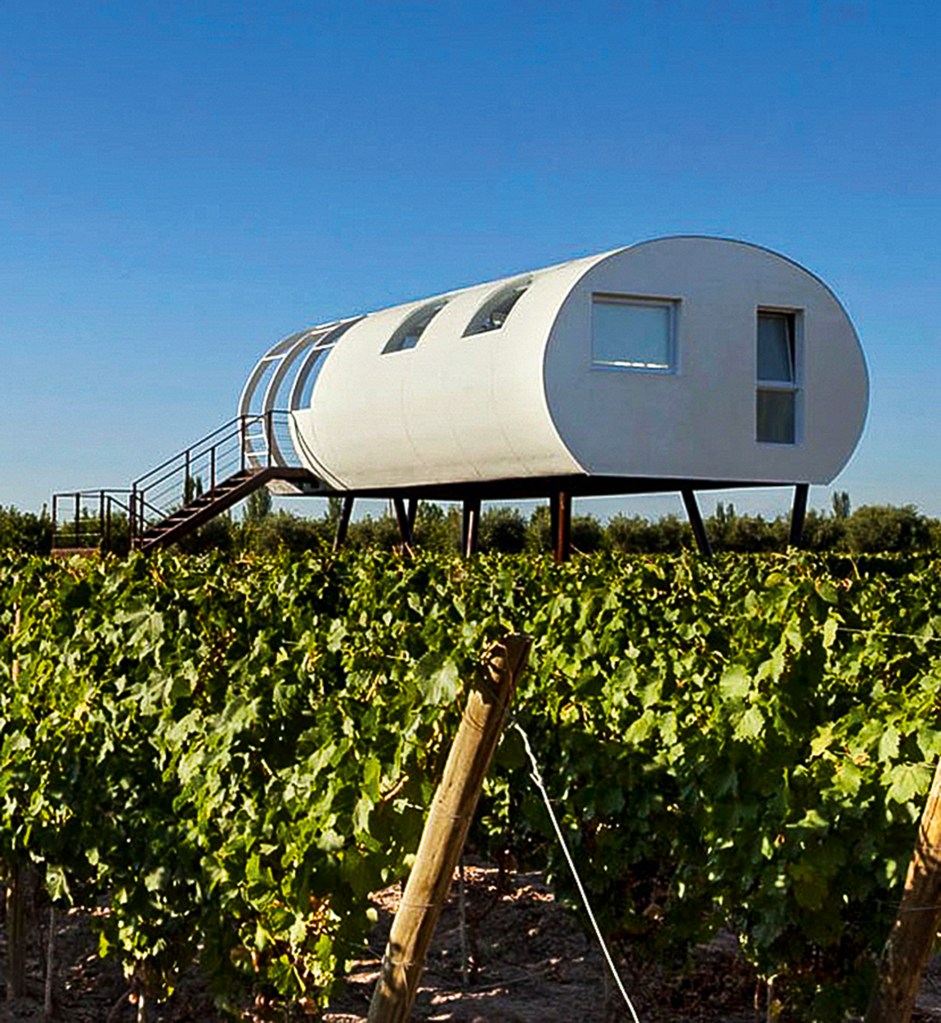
[(794, 318), (405, 329), (511, 293), (672, 305)]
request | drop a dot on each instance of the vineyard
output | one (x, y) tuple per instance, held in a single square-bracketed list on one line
[(231, 755)]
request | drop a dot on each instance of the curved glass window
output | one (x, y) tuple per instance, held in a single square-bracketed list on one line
[(303, 387), (493, 313), (413, 327)]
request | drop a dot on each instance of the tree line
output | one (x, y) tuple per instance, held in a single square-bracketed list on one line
[(504, 528)]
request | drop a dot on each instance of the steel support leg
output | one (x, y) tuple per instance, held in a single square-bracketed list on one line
[(696, 522), (562, 534), (343, 522), (401, 517), (799, 514), (470, 526)]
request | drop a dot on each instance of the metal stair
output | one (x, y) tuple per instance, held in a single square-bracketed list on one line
[(170, 502), (213, 502)]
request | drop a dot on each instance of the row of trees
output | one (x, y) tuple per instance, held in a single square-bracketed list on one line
[(871, 528)]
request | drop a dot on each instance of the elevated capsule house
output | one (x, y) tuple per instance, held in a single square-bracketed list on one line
[(683, 363), (678, 364)]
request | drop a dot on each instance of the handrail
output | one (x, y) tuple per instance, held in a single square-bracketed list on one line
[(92, 492), (146, 504), (228, 449), (201, 447), (216, 458), (91, 522), (173, 458)]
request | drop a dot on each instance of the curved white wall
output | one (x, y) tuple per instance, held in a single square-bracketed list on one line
[(524, 400), (452, 409)]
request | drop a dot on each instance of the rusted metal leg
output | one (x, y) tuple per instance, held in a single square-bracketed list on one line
[(401, 517), (412, 512), (562, 534), (696, 522), (343, 522), (798, 514), (553, 521), (470, 528)]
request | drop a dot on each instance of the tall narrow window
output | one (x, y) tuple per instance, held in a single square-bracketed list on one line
[(412, 328), (776, 395), (633, 333)]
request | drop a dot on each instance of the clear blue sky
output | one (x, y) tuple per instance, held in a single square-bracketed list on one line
[(183, 183)]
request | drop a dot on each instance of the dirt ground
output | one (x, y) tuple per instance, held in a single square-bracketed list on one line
[(520, 957), (529, 960)]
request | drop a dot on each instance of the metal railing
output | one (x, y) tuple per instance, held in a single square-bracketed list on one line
[(245, 443), (92, 519), (117, 519)]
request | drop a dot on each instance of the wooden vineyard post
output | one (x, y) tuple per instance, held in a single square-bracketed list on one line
[(442, 840), (911, 940)]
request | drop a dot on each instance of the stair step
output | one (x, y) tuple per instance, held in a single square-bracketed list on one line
[(197, 505)]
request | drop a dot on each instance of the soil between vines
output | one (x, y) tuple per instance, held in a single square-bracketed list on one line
[(529, 959)]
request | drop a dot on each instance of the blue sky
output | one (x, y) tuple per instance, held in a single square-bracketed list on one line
[(183, 183)]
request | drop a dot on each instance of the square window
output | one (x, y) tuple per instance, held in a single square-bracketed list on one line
[(631, 333)]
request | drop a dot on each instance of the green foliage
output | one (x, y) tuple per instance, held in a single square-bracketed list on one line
[(436, 530), (882, 527), (636, 535), (24, 531), (841, 504), (374, 533), (587, 534), (271, 532), (539, 530), (258, 505), (502, 529), (729, 531), (234, 753), (218, 534)]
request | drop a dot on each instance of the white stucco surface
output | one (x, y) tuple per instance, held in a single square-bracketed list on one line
[(452, 409), (699, 421), (525, 400)]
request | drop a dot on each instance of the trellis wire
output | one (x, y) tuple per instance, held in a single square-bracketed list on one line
[(536, 776), (885, 632)]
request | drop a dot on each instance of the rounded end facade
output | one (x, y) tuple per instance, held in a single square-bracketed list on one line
[(705, 359)]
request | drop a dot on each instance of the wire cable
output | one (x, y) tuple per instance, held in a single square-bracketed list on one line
[(537, 780)]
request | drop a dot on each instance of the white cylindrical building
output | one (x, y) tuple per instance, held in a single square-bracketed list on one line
[(680, 361)]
